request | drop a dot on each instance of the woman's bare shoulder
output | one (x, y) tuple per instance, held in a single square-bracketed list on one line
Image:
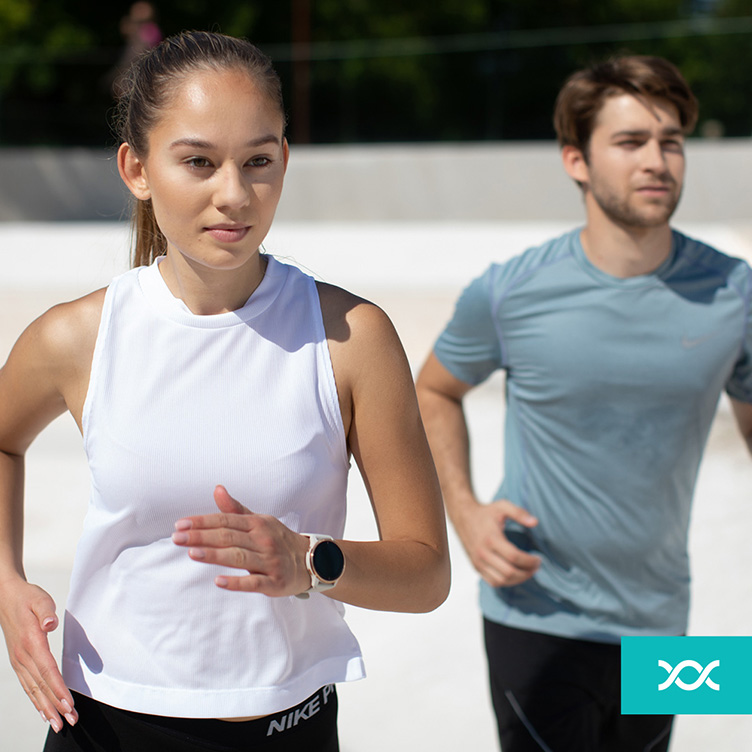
[(59, 344), (47, 370), (350, 318), (362, 339), (69, 330)]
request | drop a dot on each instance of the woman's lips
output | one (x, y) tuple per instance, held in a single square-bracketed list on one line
[(227, 233)]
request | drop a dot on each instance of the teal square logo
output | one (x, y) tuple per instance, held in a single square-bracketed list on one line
[(686, 675)]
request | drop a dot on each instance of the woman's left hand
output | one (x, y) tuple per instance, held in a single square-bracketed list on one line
[(272, 554)]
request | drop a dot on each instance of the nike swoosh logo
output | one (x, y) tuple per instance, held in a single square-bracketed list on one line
[(689, 342)]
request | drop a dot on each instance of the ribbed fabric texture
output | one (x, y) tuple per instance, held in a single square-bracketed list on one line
[(178, 403)]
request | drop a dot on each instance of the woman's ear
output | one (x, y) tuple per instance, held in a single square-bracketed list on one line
[(132, 172)]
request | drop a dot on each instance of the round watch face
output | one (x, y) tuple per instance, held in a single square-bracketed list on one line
[(328, 561)]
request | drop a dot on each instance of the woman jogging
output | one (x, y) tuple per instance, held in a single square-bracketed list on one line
[(220, 395)]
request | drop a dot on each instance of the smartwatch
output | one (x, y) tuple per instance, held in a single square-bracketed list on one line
[(325, 563)]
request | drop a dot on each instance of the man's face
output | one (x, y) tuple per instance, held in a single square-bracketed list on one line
[(634, 167)]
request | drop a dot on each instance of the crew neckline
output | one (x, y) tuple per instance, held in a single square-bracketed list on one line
[(640, 280), (155, 290)]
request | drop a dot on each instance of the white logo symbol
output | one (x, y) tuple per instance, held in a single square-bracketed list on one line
[(704, 674)]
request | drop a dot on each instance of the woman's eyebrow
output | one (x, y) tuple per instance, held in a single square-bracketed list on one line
[(198, 143)]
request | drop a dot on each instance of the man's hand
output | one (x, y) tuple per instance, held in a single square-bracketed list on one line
[(481, 530), (272, 554), (27, 616)]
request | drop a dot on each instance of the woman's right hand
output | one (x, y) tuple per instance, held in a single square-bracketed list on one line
[(27, 616), (46, 374)]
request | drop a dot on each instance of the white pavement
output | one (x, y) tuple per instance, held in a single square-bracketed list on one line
[(426, 685)]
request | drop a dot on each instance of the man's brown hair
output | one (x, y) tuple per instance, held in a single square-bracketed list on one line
[(585, 91)]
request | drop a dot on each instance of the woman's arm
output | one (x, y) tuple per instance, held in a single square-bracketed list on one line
[(408, 568), (46, 372)]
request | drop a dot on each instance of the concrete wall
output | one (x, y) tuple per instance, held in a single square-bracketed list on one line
[(59, 185), (416, 182)]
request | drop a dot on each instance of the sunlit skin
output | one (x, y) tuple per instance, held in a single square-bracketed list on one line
[(214, 172), (632, 175)]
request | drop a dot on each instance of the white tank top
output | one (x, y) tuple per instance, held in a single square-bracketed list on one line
[(178, 403)]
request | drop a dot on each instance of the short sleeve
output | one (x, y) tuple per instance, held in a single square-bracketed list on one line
[(739, 385), (469, 347)]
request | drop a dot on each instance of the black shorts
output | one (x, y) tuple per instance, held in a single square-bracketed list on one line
[(554, 694), (310, 726)]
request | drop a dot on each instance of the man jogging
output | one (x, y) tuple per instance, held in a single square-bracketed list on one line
[(617, 340)]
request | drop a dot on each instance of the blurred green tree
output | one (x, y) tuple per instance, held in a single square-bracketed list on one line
[(381, 70)]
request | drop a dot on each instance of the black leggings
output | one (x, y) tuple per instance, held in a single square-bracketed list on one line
[(554, 694), (310, 726)]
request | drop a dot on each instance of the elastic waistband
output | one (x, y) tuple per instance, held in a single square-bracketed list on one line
[(212, 734)]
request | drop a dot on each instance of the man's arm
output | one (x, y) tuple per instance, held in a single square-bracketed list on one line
[(479, 526), (743, 414)]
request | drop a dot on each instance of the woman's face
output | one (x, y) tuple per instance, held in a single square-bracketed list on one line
[(214, 169)]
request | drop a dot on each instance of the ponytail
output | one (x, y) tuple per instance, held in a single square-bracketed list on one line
[(149, 242)]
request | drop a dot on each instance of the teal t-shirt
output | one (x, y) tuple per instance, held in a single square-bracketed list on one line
[(612, 385)]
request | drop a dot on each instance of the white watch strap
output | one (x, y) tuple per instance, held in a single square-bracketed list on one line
[(317, 585)]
